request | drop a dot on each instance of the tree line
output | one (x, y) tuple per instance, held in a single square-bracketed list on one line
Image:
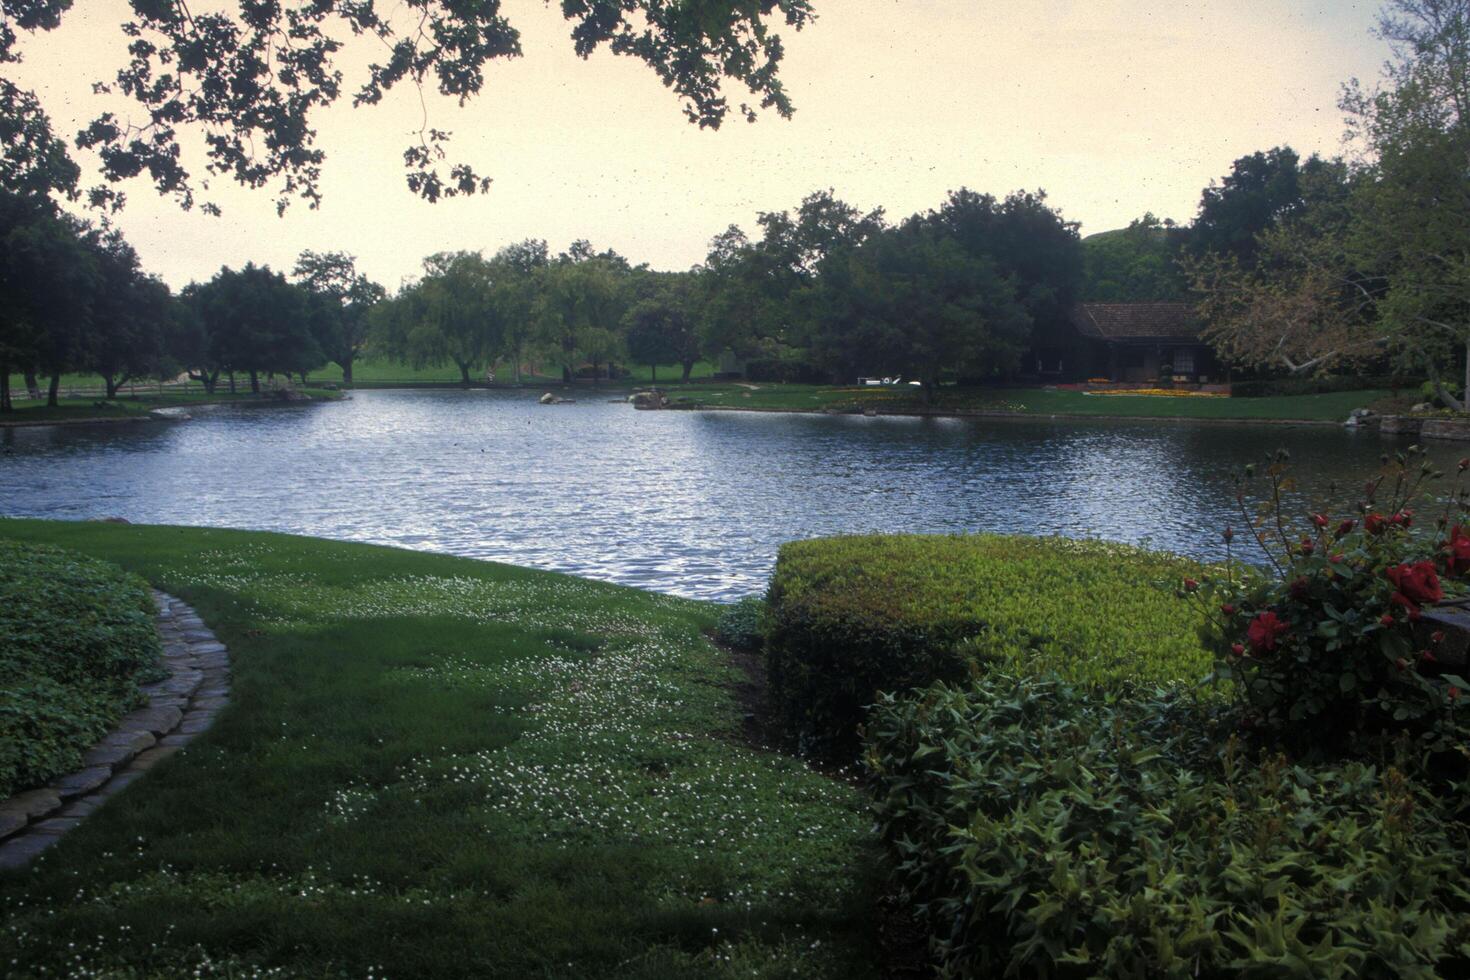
[(1295, 266)]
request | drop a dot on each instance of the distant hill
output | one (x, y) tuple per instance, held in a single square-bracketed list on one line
[(1134, 264)]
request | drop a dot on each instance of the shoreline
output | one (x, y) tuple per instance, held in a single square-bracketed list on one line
[(147, 414), (955, 413), (963, 413)]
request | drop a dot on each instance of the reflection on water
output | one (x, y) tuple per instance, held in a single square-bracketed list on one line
[(690, 503)]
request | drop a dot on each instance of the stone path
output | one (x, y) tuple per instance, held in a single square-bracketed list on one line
[(179, 708)]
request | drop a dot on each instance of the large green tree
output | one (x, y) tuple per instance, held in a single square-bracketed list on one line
[(448, 316), (914, 300), (255, 323), (253, 76), (661, 325), (343, 298), (47, 282), (583, 298), (1413, 221), (129, 314)]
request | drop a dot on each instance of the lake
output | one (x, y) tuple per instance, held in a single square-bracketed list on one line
[(693, 503)]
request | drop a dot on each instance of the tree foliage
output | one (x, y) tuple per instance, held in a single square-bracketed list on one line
[(253, 76)]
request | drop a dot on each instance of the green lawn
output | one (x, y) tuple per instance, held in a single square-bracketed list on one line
[(134, 407), (1030, 401), (439, 767)]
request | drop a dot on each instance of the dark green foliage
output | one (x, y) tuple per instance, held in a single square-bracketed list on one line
[(1325, 645), (1041, 829), (1136, 264), (739, 626), (76, 637), (851, 617), (1283, 387)]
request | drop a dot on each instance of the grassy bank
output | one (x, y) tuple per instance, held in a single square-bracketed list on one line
[(1332, 407), (435, 766), (129, 407)]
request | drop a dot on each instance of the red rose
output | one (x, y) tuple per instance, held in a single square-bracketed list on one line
[(1264, 631), (1228, 609), (1320, 520), (1308, 547), (1374, 524), (1403, 518), (1345, 528), (1334, 558), (1237, 649), (1437, 636), (1457, 551), (1386, 619), (1417, 583), (1190, 585)]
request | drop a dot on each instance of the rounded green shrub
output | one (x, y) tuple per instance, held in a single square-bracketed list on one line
[(76, 639), (851, 617)]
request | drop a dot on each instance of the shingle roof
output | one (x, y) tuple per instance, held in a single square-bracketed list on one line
[(1136, 321)]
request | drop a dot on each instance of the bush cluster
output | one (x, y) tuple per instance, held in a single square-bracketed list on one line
[(851, 617), (1272, 387), (76, 639), (1324, 645), (1039, 828), (739, 625)]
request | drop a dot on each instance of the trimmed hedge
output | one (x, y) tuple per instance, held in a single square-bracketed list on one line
[(76, 639), (1043, 829), (1273, 387), (851, 617)]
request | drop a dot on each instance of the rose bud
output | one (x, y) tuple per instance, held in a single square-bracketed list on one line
[(1308, 547), (1190, 585), (1428, 657), (1335, 559), (1464, 465), (1238, 649), (1401, 664), (1228, 534), (1374, 524), (1320, 520), (1345, 528), (1454, 693), (1386, 619), (1228, 609), (1437, 636)]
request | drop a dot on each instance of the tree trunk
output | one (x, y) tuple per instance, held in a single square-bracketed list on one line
[(517, 355), (232, 382), (596, 372), (33, 386), (1465, 392), (346, 363), (653, 371), (464, 373), (254, 381), (688, 366), (5, 405), (112, 386), (52, 399)]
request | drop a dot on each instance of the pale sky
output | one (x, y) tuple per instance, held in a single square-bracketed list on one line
[(1114, 107)]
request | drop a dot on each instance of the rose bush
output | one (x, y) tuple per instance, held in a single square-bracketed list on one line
[(1324, 644)]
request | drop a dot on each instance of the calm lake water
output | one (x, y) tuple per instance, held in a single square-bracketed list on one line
[(693, 503)]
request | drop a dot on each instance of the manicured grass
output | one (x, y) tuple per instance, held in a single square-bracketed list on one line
[(438, 767), (1030, 401)]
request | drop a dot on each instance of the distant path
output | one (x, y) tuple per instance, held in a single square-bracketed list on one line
[(178, 709)]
